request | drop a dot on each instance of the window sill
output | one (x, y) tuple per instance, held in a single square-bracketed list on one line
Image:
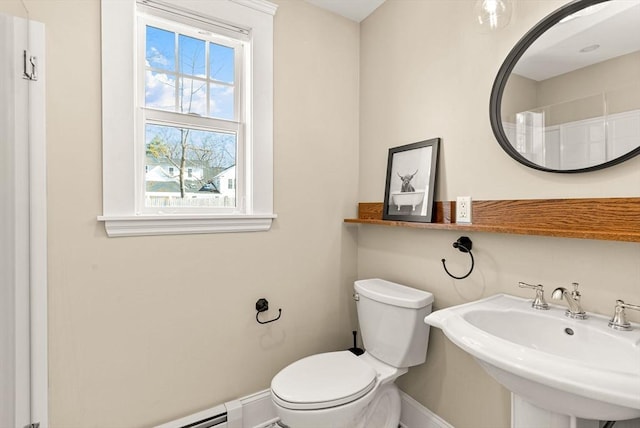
[(144, 225)]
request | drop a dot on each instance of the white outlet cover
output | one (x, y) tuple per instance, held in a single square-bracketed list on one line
[(463, 209)]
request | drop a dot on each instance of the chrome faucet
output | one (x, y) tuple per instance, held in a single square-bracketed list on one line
[(619, 320), (538, 302), (573, 300)]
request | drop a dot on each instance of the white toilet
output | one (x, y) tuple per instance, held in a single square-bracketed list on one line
[(341, 390)]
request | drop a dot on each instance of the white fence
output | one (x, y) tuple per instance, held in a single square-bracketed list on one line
[(171, 199)]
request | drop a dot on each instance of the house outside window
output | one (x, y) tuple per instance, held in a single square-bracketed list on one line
[(192, 119)]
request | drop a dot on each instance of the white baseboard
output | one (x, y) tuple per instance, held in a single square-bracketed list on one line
[(257, 411), (415, 415)]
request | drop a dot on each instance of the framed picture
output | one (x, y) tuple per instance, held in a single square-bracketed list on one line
[(411, 182)]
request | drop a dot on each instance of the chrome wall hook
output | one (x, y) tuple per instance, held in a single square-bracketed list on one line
[(262, 305), (463, 244)]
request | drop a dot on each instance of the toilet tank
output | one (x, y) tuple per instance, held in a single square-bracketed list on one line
[(391, 318)]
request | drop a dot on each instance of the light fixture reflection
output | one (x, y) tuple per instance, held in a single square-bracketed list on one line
[(493, 14), (589, 48)]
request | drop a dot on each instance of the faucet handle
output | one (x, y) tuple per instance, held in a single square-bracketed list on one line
[(538, 302), (575, 293), (619, 320)]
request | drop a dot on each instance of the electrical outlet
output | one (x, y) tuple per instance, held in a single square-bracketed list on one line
[(463, 209)]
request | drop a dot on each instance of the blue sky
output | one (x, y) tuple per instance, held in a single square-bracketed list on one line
[(190, 71)]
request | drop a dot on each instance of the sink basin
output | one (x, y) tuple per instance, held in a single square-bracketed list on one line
[(580, 368)]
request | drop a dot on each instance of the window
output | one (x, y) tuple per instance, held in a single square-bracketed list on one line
[(190, 85), (178, 105)]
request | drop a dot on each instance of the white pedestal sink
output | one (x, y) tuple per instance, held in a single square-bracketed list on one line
[(577, 368)]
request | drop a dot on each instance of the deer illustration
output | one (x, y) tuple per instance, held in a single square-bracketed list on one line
[(406, 182)]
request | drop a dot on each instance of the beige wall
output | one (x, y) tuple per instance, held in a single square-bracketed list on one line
[(578, 94), (618, 78), (426, 72), (520, 94), (142, 330), (146, 329)]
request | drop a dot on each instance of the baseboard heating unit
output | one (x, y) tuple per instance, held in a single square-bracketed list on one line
[(254, 411), (214, 421)]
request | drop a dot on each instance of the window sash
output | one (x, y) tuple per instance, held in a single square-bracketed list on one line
[(172, 119), (178, 28), (150, 115)]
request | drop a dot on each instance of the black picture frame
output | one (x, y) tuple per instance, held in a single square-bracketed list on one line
[(411, 182)]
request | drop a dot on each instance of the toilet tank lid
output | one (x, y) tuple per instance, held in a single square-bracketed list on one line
[(394, 294)]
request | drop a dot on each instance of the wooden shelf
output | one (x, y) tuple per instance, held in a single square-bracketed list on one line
[(609, 219)]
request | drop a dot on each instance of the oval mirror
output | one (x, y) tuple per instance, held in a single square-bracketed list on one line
[(567, 98)]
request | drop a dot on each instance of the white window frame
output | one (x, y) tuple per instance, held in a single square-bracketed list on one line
[(121, 122)]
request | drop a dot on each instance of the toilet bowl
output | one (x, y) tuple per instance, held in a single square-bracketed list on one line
[(342, 390), (337, 390)]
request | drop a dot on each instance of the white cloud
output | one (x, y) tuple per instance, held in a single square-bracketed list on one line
[(160, 93), (160, 90), (158, 58), (194, 96)]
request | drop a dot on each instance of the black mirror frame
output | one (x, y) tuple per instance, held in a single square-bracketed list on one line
[(495, 103)]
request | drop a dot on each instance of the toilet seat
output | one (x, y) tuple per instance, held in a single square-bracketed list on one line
[(322, 381)]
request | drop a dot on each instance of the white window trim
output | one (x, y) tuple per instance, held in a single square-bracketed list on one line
[(119, 123)]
